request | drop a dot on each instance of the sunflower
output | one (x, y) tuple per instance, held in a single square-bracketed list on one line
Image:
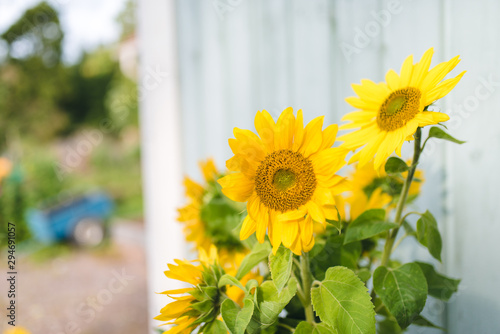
[(230, 262), (371, 189), (390, 113), (180, 313), (190, 215), (287, 176)]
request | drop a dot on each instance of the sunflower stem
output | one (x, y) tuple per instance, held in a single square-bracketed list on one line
[(305, 273), (391, 236)]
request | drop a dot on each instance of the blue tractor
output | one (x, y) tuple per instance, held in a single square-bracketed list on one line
[(81, 220)]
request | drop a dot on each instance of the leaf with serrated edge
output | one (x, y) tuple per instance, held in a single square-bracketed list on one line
[(428, 234), (229, 312), (280, 266), (306, 328), (258, 253), (403, 291), (236, 319), (439, 286), (216, 327), (230, 280), (342, 301), (368, 224), (269, 304)]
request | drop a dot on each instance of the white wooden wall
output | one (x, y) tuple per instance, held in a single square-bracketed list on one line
[(240, 56)]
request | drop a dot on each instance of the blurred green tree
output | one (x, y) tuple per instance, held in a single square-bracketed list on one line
[(32, 76)]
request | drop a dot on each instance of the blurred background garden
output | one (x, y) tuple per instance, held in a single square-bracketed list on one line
[(69, 131), (68, 125), (106, 105)]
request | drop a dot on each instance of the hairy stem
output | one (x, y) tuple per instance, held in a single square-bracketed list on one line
[(305, 272), (391, 236)]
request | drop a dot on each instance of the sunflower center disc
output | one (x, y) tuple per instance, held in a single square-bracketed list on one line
[(285, 180), (399, 108)]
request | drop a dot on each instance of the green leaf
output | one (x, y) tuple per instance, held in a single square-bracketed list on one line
[(389, 326), (204, 292), (428, 234), (395, 165), (336, 223), (423, 322), (222, 218), (436, 132), (306, 328), (203, 306), (215, 327), (342, 301), (236, 318), (409, 229), (251, 284), (368, 224), (258, 254), (230, 280), (364, 275), (439, 286), (335, 253), (280, 266), (403, 291), (269, 303)]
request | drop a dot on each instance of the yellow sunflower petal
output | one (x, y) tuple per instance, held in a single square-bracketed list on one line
[(248, 145), (299, 131), (264, 124), (368, 152), (431, 117), (328, 160), (393, 80), (438, 73), (442, 89), (406, 71), (262, 225), (290, 233), (248, 228), (306, 230), (208, 169), (284, 130), (421, 69), (329, 135), (312, 137), (370, 91), (236, 186), (315, 211)]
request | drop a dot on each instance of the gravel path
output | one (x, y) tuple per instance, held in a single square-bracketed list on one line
[(86, 292)]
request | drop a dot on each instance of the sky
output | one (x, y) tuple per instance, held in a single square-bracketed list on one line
[(86, 23)]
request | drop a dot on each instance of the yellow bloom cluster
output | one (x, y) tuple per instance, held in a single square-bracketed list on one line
[(288, 175), (190, 215), (287, 172)]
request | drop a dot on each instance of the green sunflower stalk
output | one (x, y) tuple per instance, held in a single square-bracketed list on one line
[(315, 247)]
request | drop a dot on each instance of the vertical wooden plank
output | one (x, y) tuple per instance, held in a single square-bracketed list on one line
[(473, 180), (161, 145), (189, 37), (212, 113), (358, 53), (240, 106), (404, 34), (311, 59), (271, 26)]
